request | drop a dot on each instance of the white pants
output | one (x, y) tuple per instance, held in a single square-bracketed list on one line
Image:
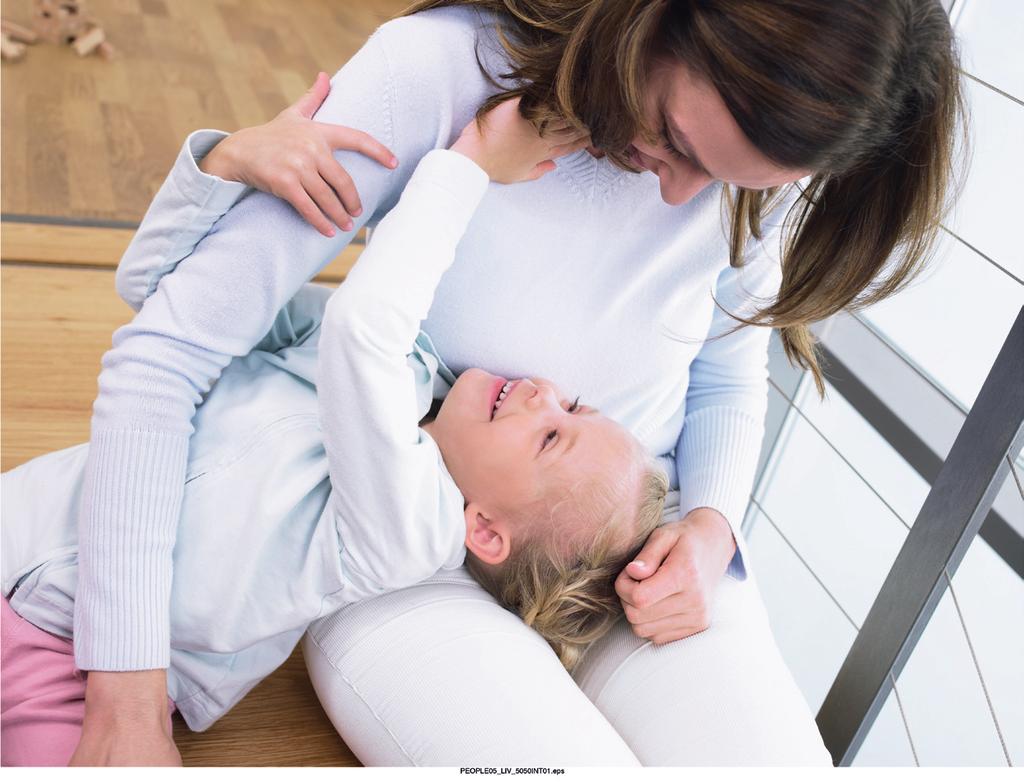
[(439, 674)]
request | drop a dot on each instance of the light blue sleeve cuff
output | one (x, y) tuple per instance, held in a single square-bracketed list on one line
[(209, 191), (184, 211)]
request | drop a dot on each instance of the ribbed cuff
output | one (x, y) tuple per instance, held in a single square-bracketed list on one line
[(131, 501), (716, 459)]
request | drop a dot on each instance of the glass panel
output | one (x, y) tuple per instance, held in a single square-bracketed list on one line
[(990, 34), (991, 598), (952, 323)]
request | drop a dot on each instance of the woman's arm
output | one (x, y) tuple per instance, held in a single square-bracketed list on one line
[(668, 594), (200, 187)]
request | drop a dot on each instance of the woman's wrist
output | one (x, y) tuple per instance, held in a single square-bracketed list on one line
[(716, 532), (138, 695)]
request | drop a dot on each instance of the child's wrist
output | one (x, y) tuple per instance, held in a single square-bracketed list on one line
[(469, 147)]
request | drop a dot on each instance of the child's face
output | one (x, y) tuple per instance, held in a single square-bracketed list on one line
[(502, 458)]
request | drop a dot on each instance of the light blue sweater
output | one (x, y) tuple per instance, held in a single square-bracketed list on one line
[(585, 277), (309, 483)]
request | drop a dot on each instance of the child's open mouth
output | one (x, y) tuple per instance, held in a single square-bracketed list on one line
[(500, 396)]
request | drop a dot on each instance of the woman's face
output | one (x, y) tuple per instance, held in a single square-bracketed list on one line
[(699, 140)]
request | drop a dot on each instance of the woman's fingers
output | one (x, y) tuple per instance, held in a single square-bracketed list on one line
[(671, 628), (339, 137), (326, 196), (644, 582)]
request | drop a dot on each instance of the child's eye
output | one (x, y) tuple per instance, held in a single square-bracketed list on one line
[(575, 405), (549, 439)]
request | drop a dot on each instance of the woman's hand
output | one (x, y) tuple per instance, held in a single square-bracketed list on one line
[(667, 591), (510, 149), (126, 722), (291, 157)]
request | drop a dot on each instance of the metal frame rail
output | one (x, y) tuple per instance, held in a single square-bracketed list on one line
[(956, 506)]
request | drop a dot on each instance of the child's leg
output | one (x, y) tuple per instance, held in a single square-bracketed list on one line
[(42, 695)]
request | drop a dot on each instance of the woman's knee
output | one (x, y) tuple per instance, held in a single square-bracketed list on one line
[(439, 674), (720, 697)]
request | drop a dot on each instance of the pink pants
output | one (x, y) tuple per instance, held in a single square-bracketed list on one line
[(42, 695)]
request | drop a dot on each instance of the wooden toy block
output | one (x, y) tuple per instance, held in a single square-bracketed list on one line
[(89, 42), (11, 49), (18, 33)]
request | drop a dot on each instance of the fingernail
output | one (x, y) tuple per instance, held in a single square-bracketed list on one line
[(640, 563), (330, 232), (357, 212), (393, 162), (347, 227)]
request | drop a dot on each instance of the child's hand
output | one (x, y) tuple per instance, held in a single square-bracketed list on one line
[(510, 149), (291, 157)]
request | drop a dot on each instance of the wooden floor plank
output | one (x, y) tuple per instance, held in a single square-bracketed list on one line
[(167, 80), (41, 243)]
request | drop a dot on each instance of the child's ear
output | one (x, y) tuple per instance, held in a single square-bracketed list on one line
[(486, 538)]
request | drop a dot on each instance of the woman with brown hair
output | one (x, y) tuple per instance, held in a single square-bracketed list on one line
[(640, 273)]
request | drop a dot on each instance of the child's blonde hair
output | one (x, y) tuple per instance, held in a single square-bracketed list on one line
[(567, 593)]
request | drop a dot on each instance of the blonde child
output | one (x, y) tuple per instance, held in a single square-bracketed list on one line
[(545, 498)]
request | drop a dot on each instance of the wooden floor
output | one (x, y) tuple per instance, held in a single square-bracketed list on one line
[(88, 141)]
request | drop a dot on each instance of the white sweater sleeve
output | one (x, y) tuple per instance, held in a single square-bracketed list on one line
[(183, 211), (718, 448), (389, 503), (221, 299)]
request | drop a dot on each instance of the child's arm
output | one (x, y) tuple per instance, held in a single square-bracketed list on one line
[(193, 197), (392, 511), (183, 211)]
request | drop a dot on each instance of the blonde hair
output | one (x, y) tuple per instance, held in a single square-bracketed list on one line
[(567, 594)]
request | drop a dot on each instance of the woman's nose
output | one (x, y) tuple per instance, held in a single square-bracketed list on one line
[(678, 188)]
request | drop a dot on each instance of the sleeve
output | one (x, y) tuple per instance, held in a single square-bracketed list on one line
[(389, 502), (183, 211), (222, 298), (718, 447)]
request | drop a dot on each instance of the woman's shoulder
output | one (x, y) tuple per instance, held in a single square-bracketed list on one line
[(451, 41)]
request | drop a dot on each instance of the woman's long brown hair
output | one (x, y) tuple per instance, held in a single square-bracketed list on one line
[(865, 93)]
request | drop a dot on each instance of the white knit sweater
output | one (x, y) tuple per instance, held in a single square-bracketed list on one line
[(585, 277)]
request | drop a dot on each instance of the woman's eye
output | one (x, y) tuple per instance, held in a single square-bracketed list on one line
[(668, 145)]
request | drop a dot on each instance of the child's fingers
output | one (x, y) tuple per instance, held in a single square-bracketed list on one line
[(338, 137), (307, 105), (339, 179), (298, 198), (326, 198), (541, 169)]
